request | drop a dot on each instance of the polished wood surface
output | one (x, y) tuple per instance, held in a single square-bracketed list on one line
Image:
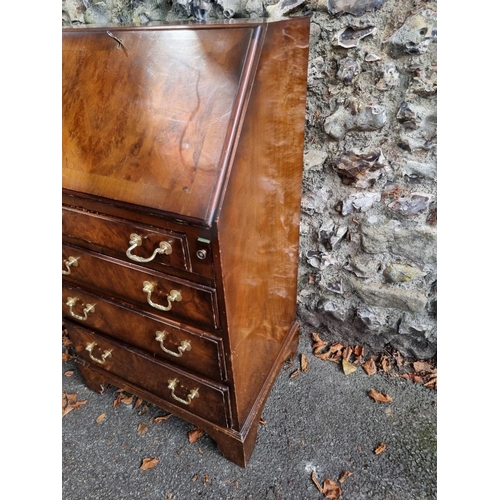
[(147, 121), (201, 146), (196, 236), (126, 282), (258, 227), (112, 236), (137, 328), (139, 368)]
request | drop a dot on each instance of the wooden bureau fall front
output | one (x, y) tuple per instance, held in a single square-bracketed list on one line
[(182, 176)]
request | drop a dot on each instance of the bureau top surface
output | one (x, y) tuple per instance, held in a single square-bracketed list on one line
[(149, 113)]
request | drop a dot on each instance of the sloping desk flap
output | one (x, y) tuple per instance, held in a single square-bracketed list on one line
[(149, 115)]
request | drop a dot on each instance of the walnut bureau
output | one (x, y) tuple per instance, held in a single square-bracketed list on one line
[(182, 176)]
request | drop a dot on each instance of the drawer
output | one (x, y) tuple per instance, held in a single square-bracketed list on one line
[(192, 349), (152, 247), (199, 396), (154, 292)]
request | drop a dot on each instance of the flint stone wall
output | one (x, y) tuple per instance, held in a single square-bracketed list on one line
[(367, 271)]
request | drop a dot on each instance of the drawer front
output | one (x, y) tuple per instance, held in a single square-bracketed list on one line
[(194, 350), (152, 247), (199, 396), (169, 297)]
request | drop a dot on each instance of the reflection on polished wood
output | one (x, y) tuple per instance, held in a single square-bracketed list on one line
[(182, 172)]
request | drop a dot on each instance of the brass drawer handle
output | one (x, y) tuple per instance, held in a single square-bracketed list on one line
[(104, 355), (173, 296), (136, 241), (193, 393), (71, 261), (89, 308), (185, 345)]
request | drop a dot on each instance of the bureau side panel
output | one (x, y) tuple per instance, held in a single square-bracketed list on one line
[(258, 223)]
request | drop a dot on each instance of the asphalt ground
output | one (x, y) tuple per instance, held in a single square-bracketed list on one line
[(320, 422)]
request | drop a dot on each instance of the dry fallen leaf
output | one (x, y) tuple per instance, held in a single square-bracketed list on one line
[(422, 366), (149, 463), (331, 489), (378, 397), (79, 404), (67, 410), (66, 356), (137, 403), (380, 448), (348, 367), (346, 353), (195, 434), (432, 383), (142, 428), (370, 367), (100, 418), (398, 358), (295, 373), (344, 476), (127, 400), (71, 398), (161, 418), (304, 363), (385, 363), (69, 373), (117, 400), (316, 482)]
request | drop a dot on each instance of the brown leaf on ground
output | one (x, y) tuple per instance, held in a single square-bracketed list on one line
[(70, 402), (378, 397), (304, 363), (348, 367), (359, 353), (385, 362), (399, 359), (423, 366), (331, 489), (346, 353), (142, 428), (432, 383), (316, 482), (262, 421), (195, 434), (117, 400), (137, 403), (149, 463), (322, 351), (100, 418), (161, 418), (69, 373), (295, 373), (127, 400), (317, 342), (66, 356), (380, 448), (67, 410), (344, 476), (79, 404), (370, 367), (72, 398), (359, 350)]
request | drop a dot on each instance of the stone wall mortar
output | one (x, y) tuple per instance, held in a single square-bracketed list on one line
[(368, 270)]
